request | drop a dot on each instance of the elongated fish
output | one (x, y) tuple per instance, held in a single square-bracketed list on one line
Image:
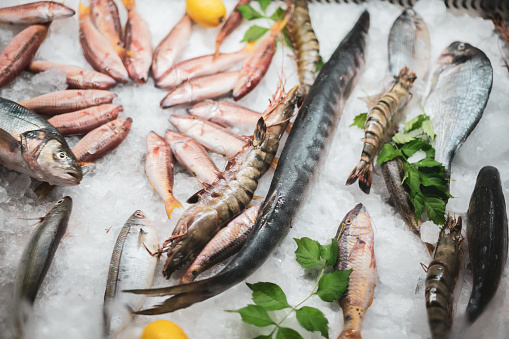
[(37, 257), (487, 239), (356, 252), (457, 95), (105, 17), (234, 20), (131, 266), (20, 51), (76, 77), (30, 145), (305, 149), (38, 12)]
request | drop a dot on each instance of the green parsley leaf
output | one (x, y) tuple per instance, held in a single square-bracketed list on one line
[(279, 14), (319, 66), (287, 333), (329, 253), (435, 207), (388, 152), (255, 315), (269, 296), (402, 138), (359, 120), (313, 319), (331, 286), (414, 146), (308, 252), (418, 202), (413, 180), (254, 33), (249, 12), (264, 4), (415, 123), (427, 162), (263, 337), (433, 179), (427, 128)]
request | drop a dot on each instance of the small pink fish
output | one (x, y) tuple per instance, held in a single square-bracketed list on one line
[(233, 21), (39, 12), (104, 15)]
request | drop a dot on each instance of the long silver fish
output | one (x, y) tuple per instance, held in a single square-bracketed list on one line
[(31, 145), (457, 96), (37, 256), (131, 266)]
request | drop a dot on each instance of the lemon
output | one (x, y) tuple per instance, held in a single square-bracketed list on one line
[(206, 13), (163, 329)]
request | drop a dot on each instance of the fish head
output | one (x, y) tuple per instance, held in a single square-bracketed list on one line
[(123, 125), (114, 112), (174, 137), (457, 53), (99, 97), (63, 205), (57, 10), (154, 140), (357, 217), (99, 80)]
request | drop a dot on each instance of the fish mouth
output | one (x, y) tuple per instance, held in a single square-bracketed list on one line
[(72, 177)]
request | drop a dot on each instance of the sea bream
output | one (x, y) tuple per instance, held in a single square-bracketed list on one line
[(457, 95), (31, 145)]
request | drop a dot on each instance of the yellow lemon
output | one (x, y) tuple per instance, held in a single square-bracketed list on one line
[(163, 329), (206, 13)]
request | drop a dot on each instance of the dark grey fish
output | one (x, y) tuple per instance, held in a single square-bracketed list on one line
[(457, 96), (487, 239)]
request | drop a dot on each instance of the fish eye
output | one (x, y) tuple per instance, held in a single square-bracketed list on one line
[(98, 100), (461, 47), (138, 214), (108, 115), (348, 222), (95, 84), (61, 155), (60, 201), (122, 128)]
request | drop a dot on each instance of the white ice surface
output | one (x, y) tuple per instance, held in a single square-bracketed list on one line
[(69, 304)]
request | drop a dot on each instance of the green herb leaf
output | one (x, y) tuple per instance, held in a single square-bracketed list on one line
[(331, 286), (329, 253), (427, 128), (387, 153), (413, 146), (254, 33), (269, 296), (413, 180), (402, 138), (249, 12), (307, 252), (427, 162), (415, 123), (319, 66), (255, 315), (288, 42), (264, 4), (287, 333), (418, 202), (433, 179), (359, 120), (279, 14), (313, 319), (435, 207), (264, 337)]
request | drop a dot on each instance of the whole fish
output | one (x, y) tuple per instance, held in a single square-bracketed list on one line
[(381, 122), (487, 239), (131, 266), (457, 96), (98, 51), (37, 257), (30, 145), (159, 169), (198, 89), (102, 140), (200, 66), (409, 44), (304, 42), (234, 20), (38, 12), (226, 113), (105, 17), (138, 45), (218, 204), (68, 101), (212, 136), (225, 243), (441, 278), (171, 47), (76, 77), (20, 51), (356, 252), (299, 163), (393, 174), (192, 156), (85, 120)]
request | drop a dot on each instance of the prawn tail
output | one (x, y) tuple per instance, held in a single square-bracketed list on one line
[(363, 173)]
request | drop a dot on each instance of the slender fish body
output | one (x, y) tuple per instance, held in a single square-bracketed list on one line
[(131, 266), (202, 88), (98, 51), (68, 101), (102, 140), (381, 122), (409, 44), (487, 239), (213, 137), (39, 12), (226, 114), (104, 14), (304, 152), (31, 145), (304, 42), (200, 66), (225, 243), (37, 257), (171, 47), (20, 51), (458, 93), (192, 156), (159, 169), (231, 24), (357, 253), (85, 120), (441, 279), (76, 77)]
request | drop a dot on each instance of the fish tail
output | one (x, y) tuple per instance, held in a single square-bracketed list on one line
[(363, 173), (84, 9), (43, 190), (129, 4), (216, 52), (250, 47), (350, 334), (171, 204)]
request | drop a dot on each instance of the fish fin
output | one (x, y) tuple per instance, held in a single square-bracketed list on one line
[(129, 4), (43, 190), (260, 132), (257, 198), (193, 199), (127, 53), (289, 127), (84, 9), (363, 173), (216, 52), (7, 141), (430, 247), (274, 163), (350, 334), (171, 204), (249, 48)]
